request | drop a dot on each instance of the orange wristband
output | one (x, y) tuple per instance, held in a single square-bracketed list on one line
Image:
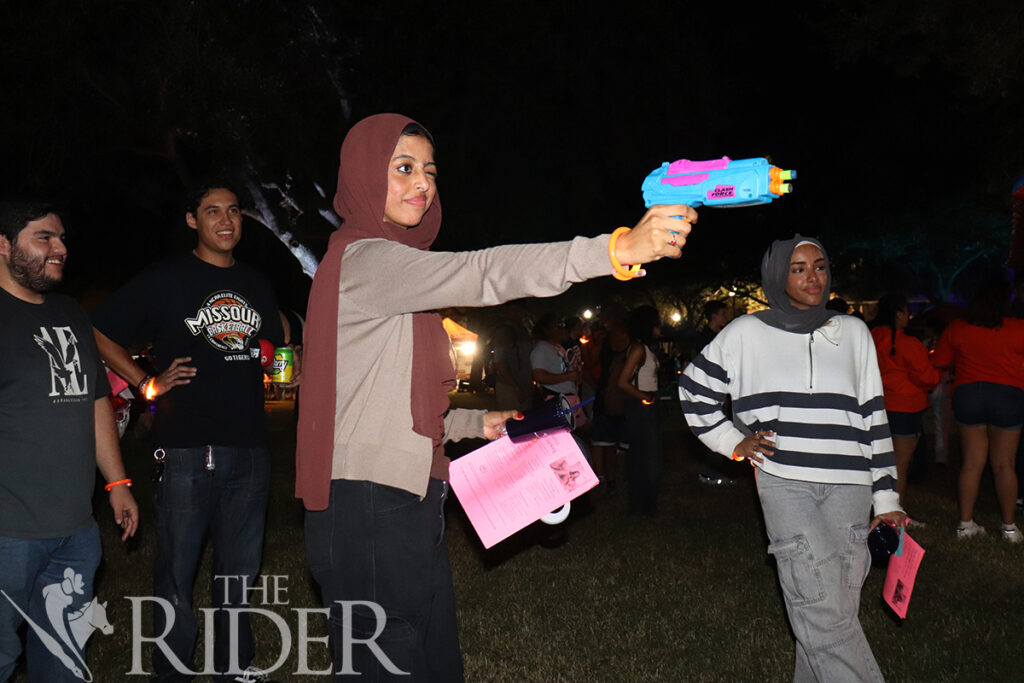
[(111, 485), (619, 271), (737, 457)]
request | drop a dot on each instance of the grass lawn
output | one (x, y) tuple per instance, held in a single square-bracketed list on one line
[(689, 595)]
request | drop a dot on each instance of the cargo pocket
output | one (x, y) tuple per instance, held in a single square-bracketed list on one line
[(799, 575), (857, 559)]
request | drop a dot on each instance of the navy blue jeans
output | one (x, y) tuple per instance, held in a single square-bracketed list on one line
[(39, 576), (382, 545), (227, 504)]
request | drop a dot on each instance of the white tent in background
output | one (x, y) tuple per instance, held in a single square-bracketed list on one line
[(464, 343)]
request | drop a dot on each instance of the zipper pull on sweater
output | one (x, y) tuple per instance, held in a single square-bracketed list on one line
[(810, 358)]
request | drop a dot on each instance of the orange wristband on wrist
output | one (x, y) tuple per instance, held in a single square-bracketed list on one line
[(619, 271), (111, 485)]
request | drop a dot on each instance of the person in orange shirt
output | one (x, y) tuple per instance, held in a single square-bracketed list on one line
[(907, 377), (986, 351)]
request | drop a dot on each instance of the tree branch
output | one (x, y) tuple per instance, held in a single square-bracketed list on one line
[(266, 217)]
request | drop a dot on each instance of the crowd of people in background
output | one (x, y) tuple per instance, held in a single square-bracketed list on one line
[(963, 364)]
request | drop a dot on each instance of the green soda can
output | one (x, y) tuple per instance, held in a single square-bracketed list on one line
[(283, 365)]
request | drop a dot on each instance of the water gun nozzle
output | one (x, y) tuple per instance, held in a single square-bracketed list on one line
[(776, 173)]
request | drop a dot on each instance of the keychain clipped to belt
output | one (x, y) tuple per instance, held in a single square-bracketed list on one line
[(159, 455)]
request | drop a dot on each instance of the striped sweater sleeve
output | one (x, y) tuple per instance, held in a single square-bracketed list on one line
[(703, 389), (883, 460)]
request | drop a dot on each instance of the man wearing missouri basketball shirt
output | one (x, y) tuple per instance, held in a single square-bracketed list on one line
[(204, 314)]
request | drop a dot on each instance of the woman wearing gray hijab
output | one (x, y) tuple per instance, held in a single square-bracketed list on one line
[(809, 415)]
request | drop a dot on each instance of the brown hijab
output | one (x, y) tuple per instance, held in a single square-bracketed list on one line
[(362, 191)]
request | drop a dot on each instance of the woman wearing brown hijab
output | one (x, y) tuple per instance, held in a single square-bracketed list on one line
[(371, 468)]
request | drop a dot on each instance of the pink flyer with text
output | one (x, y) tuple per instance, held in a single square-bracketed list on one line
[(505, 486), (899, 579)]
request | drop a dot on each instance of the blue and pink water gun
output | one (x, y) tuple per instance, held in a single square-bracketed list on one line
[(718, 182)]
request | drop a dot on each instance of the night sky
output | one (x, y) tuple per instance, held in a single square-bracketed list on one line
[(904, 121)]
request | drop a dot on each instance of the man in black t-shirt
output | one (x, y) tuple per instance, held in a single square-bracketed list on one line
[(55, 417), (204, 314)]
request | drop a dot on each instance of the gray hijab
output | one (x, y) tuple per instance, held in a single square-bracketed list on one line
[(774, 276)]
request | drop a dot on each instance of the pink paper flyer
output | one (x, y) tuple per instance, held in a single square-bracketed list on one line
[(899, 579), (505, 486)]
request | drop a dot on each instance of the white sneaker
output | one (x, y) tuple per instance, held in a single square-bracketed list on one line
[(967, 529), (1012, 534), (252, 674)]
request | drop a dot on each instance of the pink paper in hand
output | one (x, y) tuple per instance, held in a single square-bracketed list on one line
[(899, 579), (504, 486)]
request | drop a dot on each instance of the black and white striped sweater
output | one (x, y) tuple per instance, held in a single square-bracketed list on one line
[(821, 393)]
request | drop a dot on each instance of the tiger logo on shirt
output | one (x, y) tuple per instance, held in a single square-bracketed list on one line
[(227, 321)]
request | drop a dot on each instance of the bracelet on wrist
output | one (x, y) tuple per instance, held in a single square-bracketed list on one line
[(619, 271), (111, 485), (147, 387)]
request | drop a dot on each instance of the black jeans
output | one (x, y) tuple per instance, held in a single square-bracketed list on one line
[(380, 557), (227, 503), (644, 465)]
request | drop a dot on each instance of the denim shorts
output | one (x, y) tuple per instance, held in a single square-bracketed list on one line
[(905, 425), (988, 404)]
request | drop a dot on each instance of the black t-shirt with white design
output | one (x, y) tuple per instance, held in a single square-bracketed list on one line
[(51, 379), (187, 307)]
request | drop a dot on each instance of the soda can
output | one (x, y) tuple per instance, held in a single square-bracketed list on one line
[(283, 365)]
